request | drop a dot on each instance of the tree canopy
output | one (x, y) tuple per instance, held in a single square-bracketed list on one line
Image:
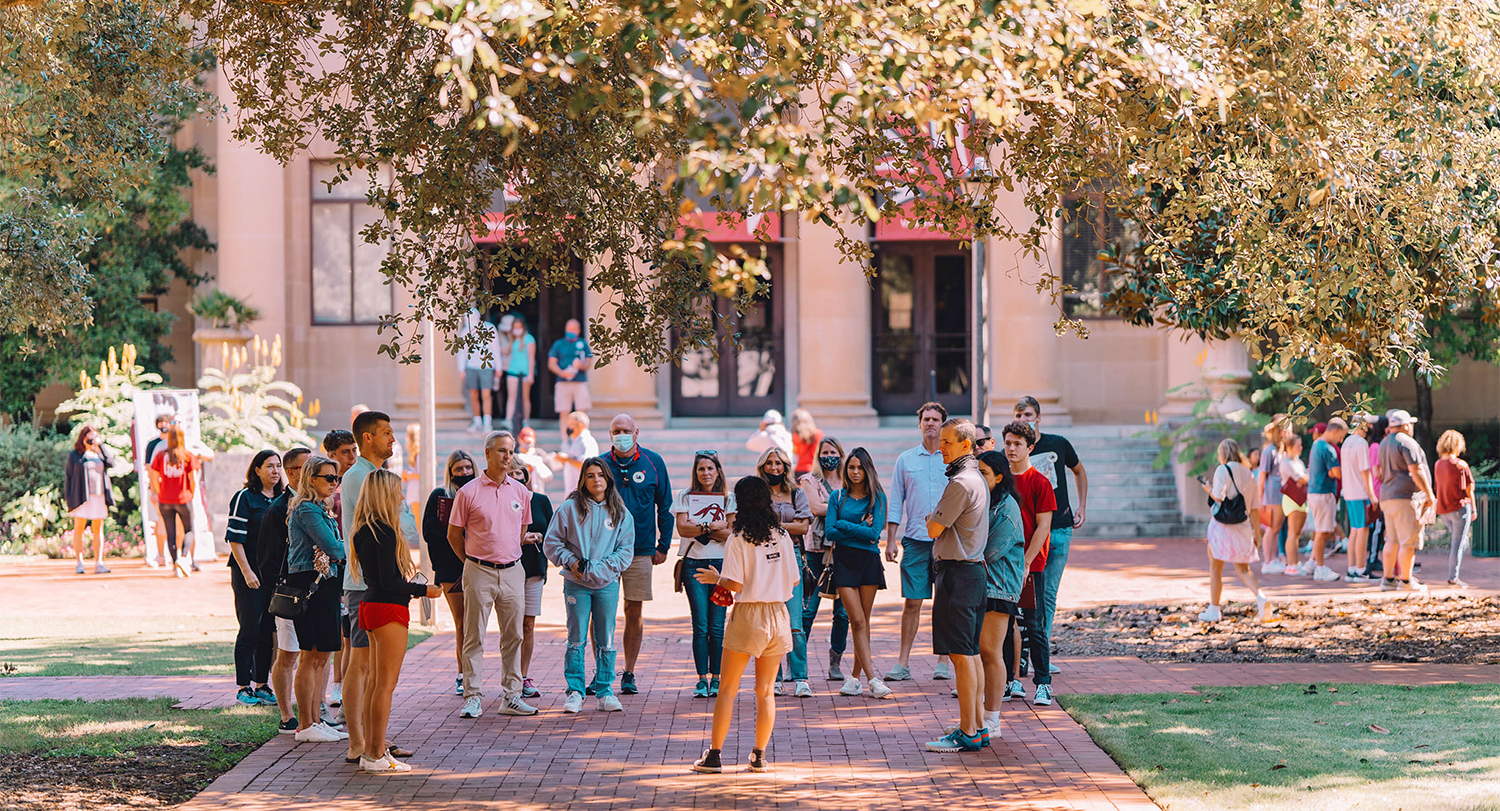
[(1310, 174)]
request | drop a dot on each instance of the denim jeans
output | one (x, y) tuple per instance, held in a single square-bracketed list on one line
[(1033, 639), (599, 605), (708, 618), (1057, 558), (796, 659), (1460, 522), (812, 569)]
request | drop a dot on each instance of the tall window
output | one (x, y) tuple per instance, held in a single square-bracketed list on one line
[(1090, 230), (347, 285)]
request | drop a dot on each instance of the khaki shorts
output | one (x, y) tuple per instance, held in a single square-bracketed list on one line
[(759, 629), (1401, 526), (1321, 511), (635, 582), (286, 635), (569, 396), (534, 595)]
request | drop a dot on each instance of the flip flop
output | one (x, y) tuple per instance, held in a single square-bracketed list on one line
[(397, 751)]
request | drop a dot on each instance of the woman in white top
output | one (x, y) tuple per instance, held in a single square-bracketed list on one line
[(703, 531), (760, 570), (1293, 469), (1232, 543)]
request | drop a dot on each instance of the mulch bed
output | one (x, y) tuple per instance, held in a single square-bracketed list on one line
[(1447, 629), (147, 777)]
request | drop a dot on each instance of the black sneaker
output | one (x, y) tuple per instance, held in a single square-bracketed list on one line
[(289, 726), (709, 763), (589, 690), (628, 688), (758, 761)]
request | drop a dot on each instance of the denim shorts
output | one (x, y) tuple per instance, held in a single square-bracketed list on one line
[(916, 569)]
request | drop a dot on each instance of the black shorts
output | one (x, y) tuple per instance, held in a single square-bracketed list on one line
[(318, 629), (996, 606), (853, 568), (958, 605)]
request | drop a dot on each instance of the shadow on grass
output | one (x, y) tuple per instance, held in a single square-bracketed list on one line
[(1292, 746)]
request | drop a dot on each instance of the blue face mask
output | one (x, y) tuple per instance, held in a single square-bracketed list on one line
[(571, 335), (623, 443)]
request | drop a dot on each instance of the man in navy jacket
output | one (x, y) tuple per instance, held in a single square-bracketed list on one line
[(641, 477)]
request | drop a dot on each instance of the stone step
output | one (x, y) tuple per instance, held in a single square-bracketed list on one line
[(1123, 530)]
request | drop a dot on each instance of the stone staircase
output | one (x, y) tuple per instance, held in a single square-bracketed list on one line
[(1127, 498)]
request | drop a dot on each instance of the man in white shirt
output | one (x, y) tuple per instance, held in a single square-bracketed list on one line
[(1358, 489), (577, 445), (918, 483)]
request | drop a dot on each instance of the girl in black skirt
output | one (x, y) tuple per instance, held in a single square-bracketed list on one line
[(854, 525)]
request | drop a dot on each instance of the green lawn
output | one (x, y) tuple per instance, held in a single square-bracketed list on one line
[(1283, 748), (110, 728), (131, 646)]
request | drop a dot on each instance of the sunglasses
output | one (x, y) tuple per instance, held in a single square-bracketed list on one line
[(329, 477), (712, 454)]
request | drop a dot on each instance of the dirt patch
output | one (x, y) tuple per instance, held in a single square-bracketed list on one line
[(147, 777), (1455, 630)]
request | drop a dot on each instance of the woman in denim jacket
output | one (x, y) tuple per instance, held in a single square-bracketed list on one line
[(314, 559), (1005, 558)]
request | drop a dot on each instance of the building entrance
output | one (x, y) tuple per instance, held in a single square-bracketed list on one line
[(722, 380), (920, 315)]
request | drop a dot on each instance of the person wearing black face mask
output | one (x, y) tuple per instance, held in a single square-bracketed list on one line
[(816, 551), (791, 508), (447, 569)]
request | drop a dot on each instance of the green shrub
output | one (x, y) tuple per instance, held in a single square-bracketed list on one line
[(32, 459)]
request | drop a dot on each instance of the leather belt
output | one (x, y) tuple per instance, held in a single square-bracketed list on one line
[(490, 564)]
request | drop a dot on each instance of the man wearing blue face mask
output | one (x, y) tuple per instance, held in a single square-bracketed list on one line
[(641, 477), (569, 360)]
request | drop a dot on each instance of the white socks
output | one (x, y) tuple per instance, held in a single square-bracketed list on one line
[(992, 720)]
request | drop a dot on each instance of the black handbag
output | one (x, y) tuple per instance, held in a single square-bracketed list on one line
[(1231, 510), (290, 602)]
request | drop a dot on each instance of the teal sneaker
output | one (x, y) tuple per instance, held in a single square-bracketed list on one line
[(627, 684), (701, 689), (247, 696), (264, 695), (713, 688), (955, 741)]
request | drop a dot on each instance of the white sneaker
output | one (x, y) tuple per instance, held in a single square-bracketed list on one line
[(1323, 574), (1411, 585), (1307, 567), (1294, 571), (943, 671), (851, 687), (804, 690), (1212, 614), (336, 695), (574, 702), (777, 690), (515, 706), (992, 723), (317, 733), (1277, 566), (1053, 669), (385, 765), (879, 690), (610, 704), (1263, 608), (471, 708), (342, 735)]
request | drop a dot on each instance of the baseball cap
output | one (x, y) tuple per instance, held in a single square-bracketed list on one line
[(528, 433), (1338, 424), (772, 417), (1398, 418)]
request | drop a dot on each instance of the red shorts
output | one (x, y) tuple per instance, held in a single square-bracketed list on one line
[(374, 615)]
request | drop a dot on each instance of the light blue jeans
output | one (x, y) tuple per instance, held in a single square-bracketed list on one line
[(584, 604), (1460, 522), (1057, 558), (708, 618), (796, 659)]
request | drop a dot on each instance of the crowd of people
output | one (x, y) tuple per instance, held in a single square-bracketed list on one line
[(1368, 487), (322, 569)]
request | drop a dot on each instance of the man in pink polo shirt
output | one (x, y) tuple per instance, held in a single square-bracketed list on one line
[(486, 528)]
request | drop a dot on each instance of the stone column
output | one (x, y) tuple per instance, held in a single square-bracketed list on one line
[(1023, 337), (1185, 355), (1226, 370), (621, 386), (833, 323)]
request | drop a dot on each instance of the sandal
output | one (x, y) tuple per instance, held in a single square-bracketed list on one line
[(397, 751)]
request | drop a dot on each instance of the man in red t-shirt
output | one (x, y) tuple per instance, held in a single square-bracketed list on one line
[(1034, 493)]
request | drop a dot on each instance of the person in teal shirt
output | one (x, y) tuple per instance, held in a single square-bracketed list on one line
[(520, 373)]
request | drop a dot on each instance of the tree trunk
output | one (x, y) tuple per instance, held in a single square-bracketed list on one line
[(1424, 433)]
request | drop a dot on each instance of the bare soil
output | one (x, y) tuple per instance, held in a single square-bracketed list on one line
[(149, 777), (1448, 629)]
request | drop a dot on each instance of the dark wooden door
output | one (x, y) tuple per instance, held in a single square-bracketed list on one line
[(740, 373), (920, 318)]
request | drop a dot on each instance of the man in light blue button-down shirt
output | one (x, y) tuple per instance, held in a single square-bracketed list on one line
[(916, 486)]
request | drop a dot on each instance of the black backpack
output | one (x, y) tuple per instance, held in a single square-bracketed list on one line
[(1231, 510)]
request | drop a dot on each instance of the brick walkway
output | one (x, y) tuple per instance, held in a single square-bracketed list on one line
[(828, 751)]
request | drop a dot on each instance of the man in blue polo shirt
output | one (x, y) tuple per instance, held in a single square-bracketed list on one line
[(641, 478), (915, 489), (569, 360)]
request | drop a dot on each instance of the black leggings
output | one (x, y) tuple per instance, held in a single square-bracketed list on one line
[(1033, 637), (169, 515), (255, 643)]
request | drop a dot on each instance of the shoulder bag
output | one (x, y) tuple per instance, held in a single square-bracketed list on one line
[(290, 602), (679, 569), (1231, 510)]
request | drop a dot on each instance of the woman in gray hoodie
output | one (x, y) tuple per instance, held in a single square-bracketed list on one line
[(592, 539)]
